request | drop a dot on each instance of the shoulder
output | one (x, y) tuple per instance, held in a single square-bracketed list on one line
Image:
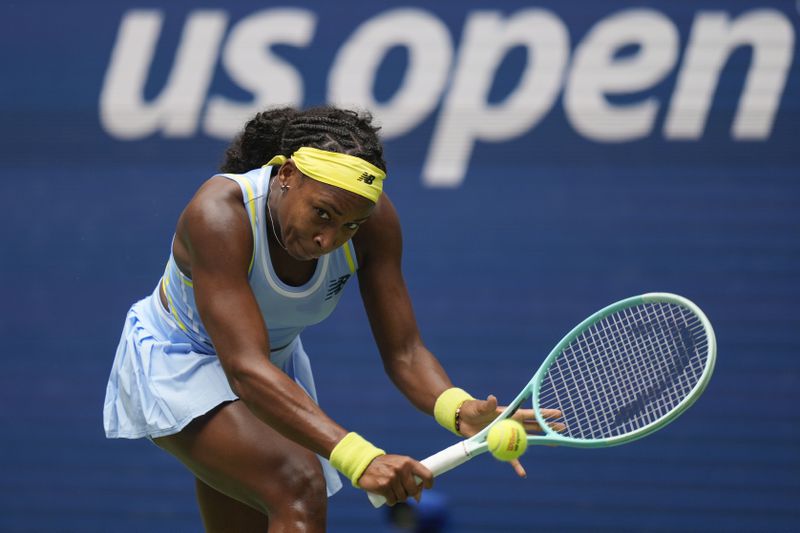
[(217, 200), (217, 189), (215, 218)]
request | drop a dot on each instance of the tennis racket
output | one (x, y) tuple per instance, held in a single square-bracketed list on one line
[(623, 373)]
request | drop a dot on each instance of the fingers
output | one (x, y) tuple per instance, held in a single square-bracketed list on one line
[(551, 413), (396, 478), (392, 496), (547, 414), (490, 404), (534, 426), (400, 491), (413, 481), (479, 413), (481, 408), (410, 487), (518, 468), (528, 419), (423, 476)]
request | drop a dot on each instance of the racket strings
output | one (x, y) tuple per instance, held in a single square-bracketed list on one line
[(627, 371)]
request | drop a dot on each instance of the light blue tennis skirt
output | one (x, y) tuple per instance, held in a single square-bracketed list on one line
[(159, 384)]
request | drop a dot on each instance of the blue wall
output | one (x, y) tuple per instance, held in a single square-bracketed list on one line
[(577, 205)]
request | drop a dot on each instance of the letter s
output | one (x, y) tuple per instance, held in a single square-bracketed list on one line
[(271, 80)]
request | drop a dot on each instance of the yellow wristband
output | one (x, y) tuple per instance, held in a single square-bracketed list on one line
[(447, 405), (353, 455)]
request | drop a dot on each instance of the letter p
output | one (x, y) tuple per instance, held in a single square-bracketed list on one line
[(466, 116)]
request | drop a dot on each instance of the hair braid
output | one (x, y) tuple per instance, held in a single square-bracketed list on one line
[(283, 131)]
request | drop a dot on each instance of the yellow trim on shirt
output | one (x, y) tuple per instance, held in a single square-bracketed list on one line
[(250, 203), (349, 256), (186, 281), (172, 305)]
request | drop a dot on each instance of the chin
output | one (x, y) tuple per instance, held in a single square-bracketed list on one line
[(301, 255)]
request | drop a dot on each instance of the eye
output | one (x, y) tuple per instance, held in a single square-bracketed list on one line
[(323, 214), (352, 226)]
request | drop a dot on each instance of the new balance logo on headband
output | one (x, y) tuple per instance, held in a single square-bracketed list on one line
[(367, 178)]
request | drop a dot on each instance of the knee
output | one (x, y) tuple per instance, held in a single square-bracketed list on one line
[(298, 492), (304, 482)]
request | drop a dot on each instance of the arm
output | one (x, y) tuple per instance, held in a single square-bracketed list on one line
[(408, 363), (216, 240)]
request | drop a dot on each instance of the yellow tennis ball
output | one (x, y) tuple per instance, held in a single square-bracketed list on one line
[(507, 440)]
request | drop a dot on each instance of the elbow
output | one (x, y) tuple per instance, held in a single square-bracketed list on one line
[(400, 366), (242, 378), (403, 360)]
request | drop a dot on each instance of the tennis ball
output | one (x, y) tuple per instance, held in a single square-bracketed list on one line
[(507, 440)]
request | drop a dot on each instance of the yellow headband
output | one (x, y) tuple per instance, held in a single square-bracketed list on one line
[(347, 172)]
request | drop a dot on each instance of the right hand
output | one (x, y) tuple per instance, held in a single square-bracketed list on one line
[(393, 477), (477, 414)]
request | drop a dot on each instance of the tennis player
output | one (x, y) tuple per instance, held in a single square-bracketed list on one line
[(211, 366)]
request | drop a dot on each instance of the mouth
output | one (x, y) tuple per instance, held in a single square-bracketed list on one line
[(305, 255)]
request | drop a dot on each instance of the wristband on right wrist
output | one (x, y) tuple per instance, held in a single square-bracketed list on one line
[(447, 410), (352, 455)]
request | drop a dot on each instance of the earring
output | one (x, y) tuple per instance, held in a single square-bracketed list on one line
[(284, 187)]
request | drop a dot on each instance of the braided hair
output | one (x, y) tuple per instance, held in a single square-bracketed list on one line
[(281, 131)]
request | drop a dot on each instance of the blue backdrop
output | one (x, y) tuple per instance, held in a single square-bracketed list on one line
[(546, 159)]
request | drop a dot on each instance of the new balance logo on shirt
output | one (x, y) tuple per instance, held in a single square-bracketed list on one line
[(335, 286)]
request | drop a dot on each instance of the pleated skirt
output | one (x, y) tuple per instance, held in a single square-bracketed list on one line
[(160, 382)]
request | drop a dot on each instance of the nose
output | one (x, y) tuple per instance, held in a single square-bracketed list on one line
[(324, 240)]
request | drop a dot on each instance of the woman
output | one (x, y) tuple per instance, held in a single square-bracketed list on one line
[(211, 366)]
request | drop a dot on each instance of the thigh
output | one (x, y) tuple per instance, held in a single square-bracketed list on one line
[(240, 456)]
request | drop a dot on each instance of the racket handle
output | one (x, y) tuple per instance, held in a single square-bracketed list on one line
[(438, 463)]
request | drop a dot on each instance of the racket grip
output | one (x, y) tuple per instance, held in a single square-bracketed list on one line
[(438, 463)]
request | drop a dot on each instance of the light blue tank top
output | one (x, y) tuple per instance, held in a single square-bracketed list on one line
[(286, 310)]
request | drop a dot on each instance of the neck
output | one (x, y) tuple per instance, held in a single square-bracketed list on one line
[(271, 220)]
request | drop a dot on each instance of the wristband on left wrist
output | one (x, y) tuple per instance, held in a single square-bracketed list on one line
[(447, 410)]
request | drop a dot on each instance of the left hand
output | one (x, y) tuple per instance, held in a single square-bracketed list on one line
[(477, 414)]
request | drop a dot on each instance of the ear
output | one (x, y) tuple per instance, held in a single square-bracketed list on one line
[(287, 173)]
